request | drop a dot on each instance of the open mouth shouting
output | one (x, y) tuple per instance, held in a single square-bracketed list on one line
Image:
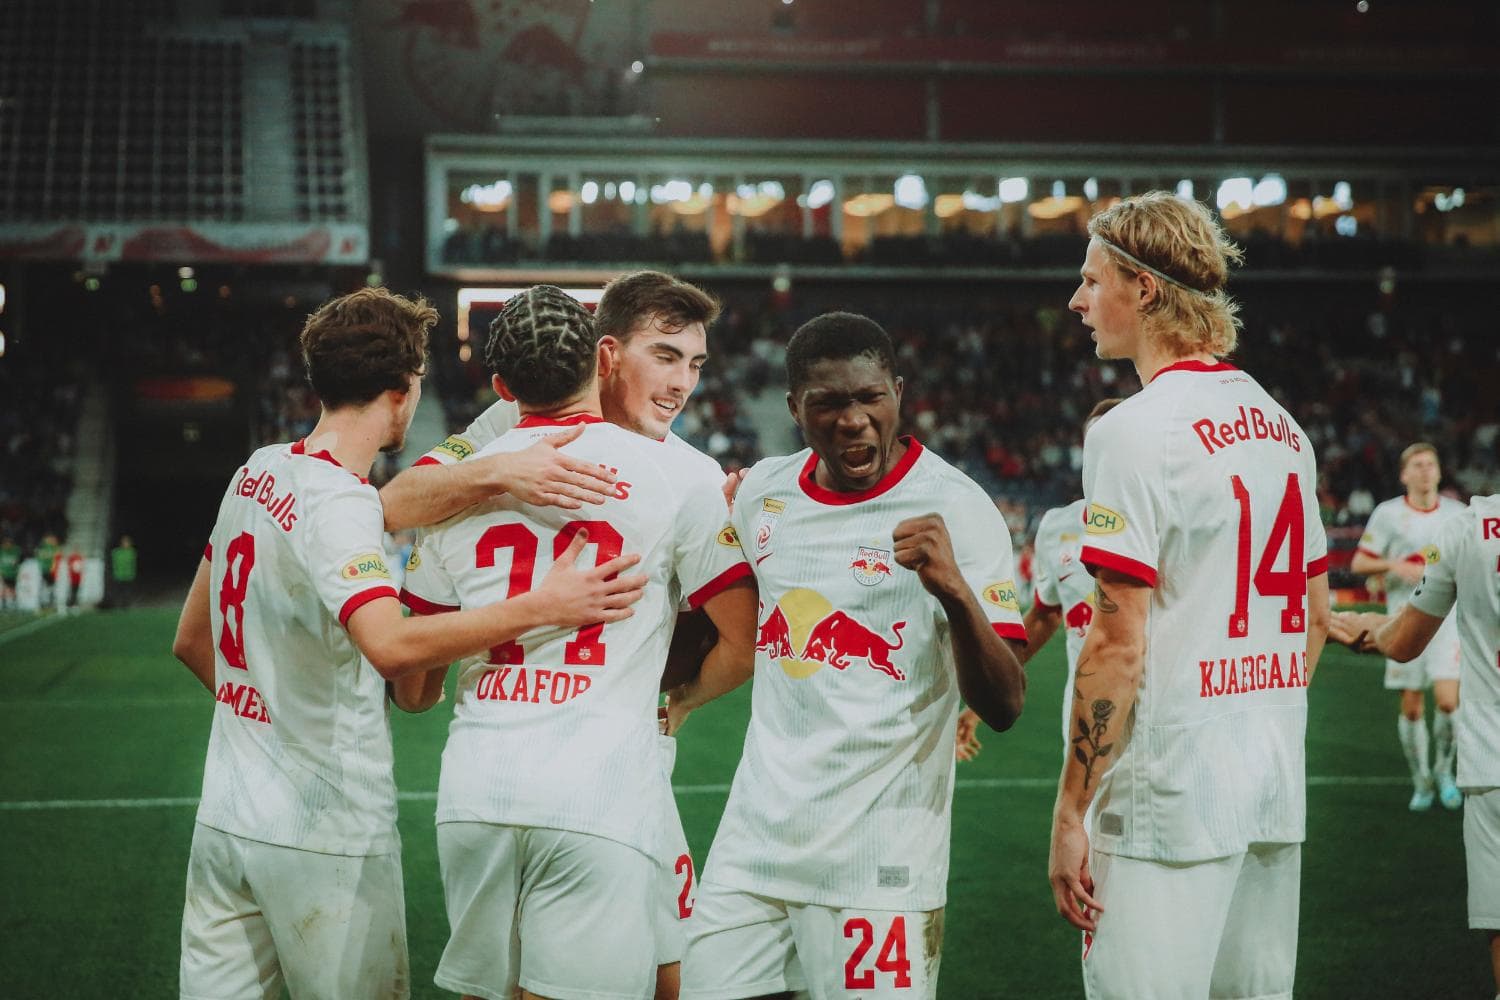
[(859, 461)]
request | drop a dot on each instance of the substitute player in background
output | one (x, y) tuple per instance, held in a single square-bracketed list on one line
[(887, 591), (1468, 575), (1400, 541), (295, 872), (549, 801), (655, 329), (1210, 611), (1064, 596)]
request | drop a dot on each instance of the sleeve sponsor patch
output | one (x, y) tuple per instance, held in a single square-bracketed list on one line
[(1100, 520), (370, 566), (1003, 595), (459, 448), (414, 561), (729, 538)]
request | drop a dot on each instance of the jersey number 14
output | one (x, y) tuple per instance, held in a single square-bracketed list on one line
[(1289, 583)]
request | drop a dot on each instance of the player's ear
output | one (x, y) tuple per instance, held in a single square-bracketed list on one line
[(791, 405), (607, 359), (501, 389), (1148, 290), (898, 383)]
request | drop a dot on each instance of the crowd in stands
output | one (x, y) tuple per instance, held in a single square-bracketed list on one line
[(37, 426)]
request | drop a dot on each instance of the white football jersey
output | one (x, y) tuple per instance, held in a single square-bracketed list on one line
[(1399, 531), (1466, 571), (1202, 486), (843, 794), (300, 750), (558, 729), (1064, 584)]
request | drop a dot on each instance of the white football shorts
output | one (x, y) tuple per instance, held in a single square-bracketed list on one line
[(742, 945), (258, 916), (675, 877), (1482, 857), (561, 914), (1225, 928), (1438, 662)]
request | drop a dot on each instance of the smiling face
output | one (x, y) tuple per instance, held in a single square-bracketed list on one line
[(654, 370), (1108, 302), (849, 410)]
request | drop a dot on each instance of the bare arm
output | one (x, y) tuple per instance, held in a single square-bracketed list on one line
[(1318, 620), (417, 692), (730, 662), (1402, 637), (1041, 625), (990, 678), (1110, 668), (194, 642), (540, 475), (1367, 565), (568, 598)]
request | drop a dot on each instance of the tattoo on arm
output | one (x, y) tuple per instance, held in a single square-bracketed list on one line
[(1086, 746), (1102, 601)]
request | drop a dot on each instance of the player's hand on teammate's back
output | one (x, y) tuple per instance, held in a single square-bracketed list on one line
[(589, 596), (923, 545), (966, 742), (1068, 871), (544, 476)]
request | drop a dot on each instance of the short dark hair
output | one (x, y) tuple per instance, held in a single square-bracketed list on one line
[(836, 336), (359, 345), (544, 345), (641, 294)]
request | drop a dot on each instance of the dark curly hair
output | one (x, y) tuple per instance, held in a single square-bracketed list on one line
[(836, 336), (544, 345), (359, 345), (633, 298)]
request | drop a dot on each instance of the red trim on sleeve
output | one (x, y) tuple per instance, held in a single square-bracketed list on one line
[(1317, 567), (362, 598), (1191, 365), (1368, 552), (425, 460), (1099, 558), (208, 551), (733, 574), (300, 448), (424, 607), (1009, 630), (1044, 606), (571, 420), (887, 482)]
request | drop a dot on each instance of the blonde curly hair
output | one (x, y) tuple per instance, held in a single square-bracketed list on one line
[(1178, 240)]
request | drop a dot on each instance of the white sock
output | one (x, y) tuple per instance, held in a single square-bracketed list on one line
[(1444, 748), (1413, 735)]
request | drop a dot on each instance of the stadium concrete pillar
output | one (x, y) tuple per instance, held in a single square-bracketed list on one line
[(544, 210)]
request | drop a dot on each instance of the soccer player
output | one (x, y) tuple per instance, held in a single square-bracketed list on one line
[(654, 327), (1468, 575), (10, 569), (1210, 611), (549, 805), (887, 592), (1400, 542), (292, 623)]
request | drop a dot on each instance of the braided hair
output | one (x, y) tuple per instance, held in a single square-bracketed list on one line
[(543, 345)]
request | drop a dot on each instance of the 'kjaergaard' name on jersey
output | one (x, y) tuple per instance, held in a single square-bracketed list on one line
[(261, 487), (1252, 425), (1219, 676)]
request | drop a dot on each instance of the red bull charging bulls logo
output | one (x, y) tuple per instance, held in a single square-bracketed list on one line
[(871, 566), (805, 633)]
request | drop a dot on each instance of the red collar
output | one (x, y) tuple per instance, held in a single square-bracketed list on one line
[(887, 482), (571, 420), (1424, 510), (300, 448), (1191, 365)]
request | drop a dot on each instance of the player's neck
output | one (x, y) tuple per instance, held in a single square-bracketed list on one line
[(353, 436), (1152, 358), (586, 404), (1422, 501)]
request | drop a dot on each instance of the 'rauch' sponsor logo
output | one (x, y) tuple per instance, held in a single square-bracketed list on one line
[(457, 447), (1103, 521), (1003, 595), (366, 567)]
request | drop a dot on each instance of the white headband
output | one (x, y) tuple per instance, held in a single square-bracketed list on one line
[(1147, 267)]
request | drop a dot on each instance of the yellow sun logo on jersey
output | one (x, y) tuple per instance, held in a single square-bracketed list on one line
[(804, 633), (370, 566), (729, 538)]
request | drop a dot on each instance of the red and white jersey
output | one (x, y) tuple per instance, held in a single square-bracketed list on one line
[(300, 750), (1467, 572), (558, 729), (1397, 531), (1064, 584), (843, 794), (1202, 486)]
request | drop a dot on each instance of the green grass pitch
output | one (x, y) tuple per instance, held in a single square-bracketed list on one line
[(95, 708)]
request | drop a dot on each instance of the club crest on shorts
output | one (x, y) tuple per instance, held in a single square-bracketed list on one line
[(871, 566), (771, 510)]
